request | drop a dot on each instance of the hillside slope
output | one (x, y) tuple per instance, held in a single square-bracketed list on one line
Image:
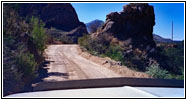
[(57, 17)]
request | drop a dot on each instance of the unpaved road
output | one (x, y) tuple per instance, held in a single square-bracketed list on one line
[(67, 64)]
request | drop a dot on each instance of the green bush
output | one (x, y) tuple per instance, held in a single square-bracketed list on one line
[(98, 45), (27, 65), (38, 34), (175, 59), (115, 52), (101, 47), (155, 71), (21, 43), (171, 58), (82, 41), (95, 46)]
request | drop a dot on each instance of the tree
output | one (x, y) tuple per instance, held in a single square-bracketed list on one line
[(38, 34)]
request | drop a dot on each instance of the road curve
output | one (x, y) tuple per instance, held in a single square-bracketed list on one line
[(67, 64)]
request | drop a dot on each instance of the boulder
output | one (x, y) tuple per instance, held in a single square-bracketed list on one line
[(134, 23)]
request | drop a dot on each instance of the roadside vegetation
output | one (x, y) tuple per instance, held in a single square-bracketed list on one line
[(23, 46), (25, 39), (38, 35), (166, 63)]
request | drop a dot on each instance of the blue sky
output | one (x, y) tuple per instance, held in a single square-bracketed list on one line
[(164, 14)]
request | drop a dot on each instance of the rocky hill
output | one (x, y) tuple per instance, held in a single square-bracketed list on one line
[(127, 36), (61, 16), (134, 25)]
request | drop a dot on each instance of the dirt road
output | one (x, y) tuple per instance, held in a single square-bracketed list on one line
[(67, 64)]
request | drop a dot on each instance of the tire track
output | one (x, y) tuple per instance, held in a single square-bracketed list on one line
[(65, 64)]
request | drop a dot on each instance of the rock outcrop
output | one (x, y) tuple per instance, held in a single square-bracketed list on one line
[(133, 25), (61, 16)]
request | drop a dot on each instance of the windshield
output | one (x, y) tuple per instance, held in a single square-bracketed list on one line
[(81, 45)]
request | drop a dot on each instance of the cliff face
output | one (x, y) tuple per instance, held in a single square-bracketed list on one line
[(59, 15), (134, 25)]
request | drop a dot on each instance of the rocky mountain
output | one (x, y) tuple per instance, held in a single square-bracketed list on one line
[(133, 25), (61, 16), (94, 25)]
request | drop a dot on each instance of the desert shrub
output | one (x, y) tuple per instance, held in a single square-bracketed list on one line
[(12, 78), (96, 46), (175, 60), (180, 77), (83, 41), (100, 46), (171, 58), (8, 40), (38, 34), (115, 52), (15, 6), (66, 39), (27, 65), (155, 71), (137, 63), (11, 21), (19, 62)]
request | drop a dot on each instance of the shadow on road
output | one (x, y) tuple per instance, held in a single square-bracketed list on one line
[(58, 74), (43, 73)]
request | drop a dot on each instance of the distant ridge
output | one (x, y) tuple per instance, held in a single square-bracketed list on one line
[(158, 38), (96, 22)]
